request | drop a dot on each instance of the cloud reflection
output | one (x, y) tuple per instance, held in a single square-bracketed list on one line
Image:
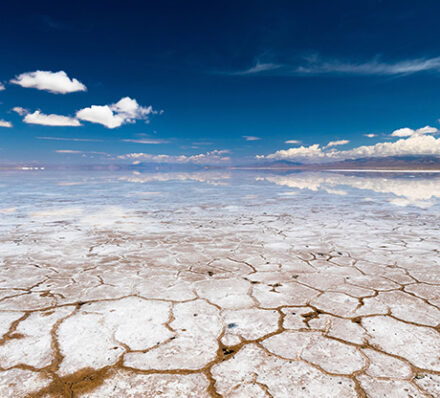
[(422, 192)]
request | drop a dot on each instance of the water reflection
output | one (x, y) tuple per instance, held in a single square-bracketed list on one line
[(417, 190), (214, 178)]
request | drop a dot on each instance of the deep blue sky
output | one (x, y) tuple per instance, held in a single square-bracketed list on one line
[(194, 61)]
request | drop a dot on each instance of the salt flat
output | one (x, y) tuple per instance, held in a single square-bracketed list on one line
[(219, 284)]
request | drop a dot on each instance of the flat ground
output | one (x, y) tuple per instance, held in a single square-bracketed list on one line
[(263, 295)]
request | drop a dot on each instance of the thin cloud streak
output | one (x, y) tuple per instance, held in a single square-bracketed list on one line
[(373, 67), (257, 68), (316, 65), (251, 138), (151, 141), (68, 139)]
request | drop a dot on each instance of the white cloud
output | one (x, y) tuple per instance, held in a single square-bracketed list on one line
[(101, 114), (299, 153), (414, 145), (21, 111), (54, 82), (292, 142), (130, 110), (2, 86), (126, 110), (418, 144), (407, 132), (4, 123), (152, 141), (370, 135), (50, 120), (251, 138), (337, 143), (212, 157)]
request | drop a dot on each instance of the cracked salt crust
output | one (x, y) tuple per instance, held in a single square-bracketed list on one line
[(220, 286)]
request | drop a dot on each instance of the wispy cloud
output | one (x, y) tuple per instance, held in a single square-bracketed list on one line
[(152, 141), (317, 65), (257, 68), (371, 135), (68, 139), (21, 111), (293, 142), (251, 138), (337, 143), (68, 151), (54, 82), (2, 86), (84, 153)]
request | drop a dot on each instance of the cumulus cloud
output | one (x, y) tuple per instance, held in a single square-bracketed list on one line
[(126, 110), (212, 157), (251, 138), (101, 114), (299, 153), (2, 87), (417, 144), (371, 135), (293, 142), (4, 123), (407, 132), (54, 82), (337, 143), (50, 120)]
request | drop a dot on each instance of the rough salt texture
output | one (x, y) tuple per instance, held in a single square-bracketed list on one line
[(213, 284)]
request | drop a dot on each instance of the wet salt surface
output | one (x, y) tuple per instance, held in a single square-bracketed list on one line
[(212, 284)]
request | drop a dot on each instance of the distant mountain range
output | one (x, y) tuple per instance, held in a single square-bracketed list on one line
[(383, 163), (371, 163)]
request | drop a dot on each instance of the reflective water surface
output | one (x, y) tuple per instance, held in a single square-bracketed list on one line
[(219, 283)]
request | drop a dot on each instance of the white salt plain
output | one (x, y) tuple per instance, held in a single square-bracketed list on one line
[(219, 284)]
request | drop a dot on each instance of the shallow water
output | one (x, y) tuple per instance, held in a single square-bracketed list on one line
[(219, 283)]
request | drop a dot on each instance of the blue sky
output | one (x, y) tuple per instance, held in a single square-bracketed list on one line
[(218, 82)]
